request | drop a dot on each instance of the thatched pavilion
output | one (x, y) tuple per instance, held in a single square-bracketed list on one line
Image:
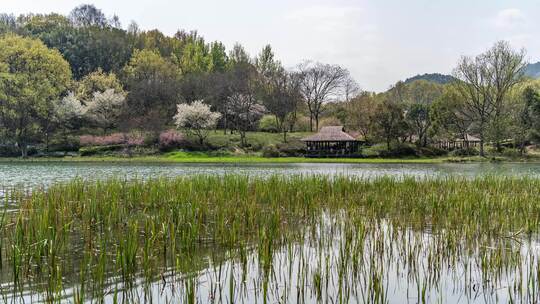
[(331, 141)]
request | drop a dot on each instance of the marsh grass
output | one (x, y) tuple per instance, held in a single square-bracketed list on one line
[(276, 239)]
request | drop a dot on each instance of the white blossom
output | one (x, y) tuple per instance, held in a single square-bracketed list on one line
[(196, 118)]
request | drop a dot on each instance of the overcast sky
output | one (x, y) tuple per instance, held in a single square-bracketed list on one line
[(379, 41)]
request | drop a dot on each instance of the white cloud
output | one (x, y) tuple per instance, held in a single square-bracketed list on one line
[(509, 18)]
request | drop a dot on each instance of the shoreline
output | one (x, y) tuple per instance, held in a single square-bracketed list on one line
[(270, 160)]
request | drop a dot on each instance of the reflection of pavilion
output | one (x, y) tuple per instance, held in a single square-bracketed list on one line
[(331, 142)]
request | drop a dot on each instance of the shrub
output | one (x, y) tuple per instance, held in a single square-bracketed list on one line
[(302, 124), (464, 152), (399, 150), (135, 140), (7, 150), (96, 150), (171, 139), (65, 144), (270, 151), (291, 148), (431, 151), (107, 140), (268, 124)]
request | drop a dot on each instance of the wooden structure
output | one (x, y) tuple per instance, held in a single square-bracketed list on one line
[(331, 141), (458, 143)]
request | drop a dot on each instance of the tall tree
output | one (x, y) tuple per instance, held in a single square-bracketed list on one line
[(361, 114), (320, 83), (243, 103), (281, 97), (484, 82), (390, 121), (32, 80), (97, 81), (152, 83), (87, 15)]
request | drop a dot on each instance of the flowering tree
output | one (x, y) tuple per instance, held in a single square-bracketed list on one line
[(105, 108), (196, 119)]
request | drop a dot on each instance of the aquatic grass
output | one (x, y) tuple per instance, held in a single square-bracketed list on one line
[(338, 239)]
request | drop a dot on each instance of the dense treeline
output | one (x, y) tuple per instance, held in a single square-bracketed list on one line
[(84, 73)]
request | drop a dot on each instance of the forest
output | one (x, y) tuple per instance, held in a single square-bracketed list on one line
[(84, 83)]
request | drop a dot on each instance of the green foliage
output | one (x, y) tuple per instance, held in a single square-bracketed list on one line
[(268, 124), (464, 152), (32, 79), (270, 151), (152, 83), (97, 81)]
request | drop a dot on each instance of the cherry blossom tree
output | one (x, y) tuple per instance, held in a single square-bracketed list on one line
[(196, 119)]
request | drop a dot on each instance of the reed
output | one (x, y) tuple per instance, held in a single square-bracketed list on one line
[(275, 239)]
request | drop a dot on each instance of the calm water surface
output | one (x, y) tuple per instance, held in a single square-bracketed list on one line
[(32, 174)]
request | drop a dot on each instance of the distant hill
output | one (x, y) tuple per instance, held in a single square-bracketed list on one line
[(434, 77), (533, 70)]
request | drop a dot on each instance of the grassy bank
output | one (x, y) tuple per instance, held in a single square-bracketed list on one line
[(206, 157), (327, 238)]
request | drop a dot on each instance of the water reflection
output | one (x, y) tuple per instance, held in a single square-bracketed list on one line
[(33, 174)]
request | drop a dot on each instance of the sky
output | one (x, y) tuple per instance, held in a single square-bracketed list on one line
[(379, 41)]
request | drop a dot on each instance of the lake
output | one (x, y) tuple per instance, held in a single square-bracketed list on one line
[(351, 256), (34, 174)]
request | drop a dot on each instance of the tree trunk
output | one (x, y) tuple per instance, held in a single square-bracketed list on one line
[(310, 122), (317, 122), (284, 136), (24, 150)]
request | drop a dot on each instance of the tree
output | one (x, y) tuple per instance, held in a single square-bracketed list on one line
[(196, 118), (419, 118), (361, 114), (238, 55), (281, 97), (32, 79), (449, 114), (527, 116), (152, 83), (218, 56), (389, 120), (97, 81), (351, 88), (320, 82), (484, 82), (243, 105), (87, 15), (105, 108), (266, 64)]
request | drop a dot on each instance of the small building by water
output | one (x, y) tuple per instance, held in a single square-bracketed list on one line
[(331, 141), (469, 141)]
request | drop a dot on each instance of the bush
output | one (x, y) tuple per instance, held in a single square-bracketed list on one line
[(270, 151), (464, 152), (268, 124), (98, 150), (170, 140), (7, 150), (291, 148), (65, 144), (431, 151), (399, 150), (302, 124), (107, 140), (511, 152)]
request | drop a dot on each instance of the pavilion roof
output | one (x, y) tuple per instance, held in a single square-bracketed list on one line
[(331, 133)]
